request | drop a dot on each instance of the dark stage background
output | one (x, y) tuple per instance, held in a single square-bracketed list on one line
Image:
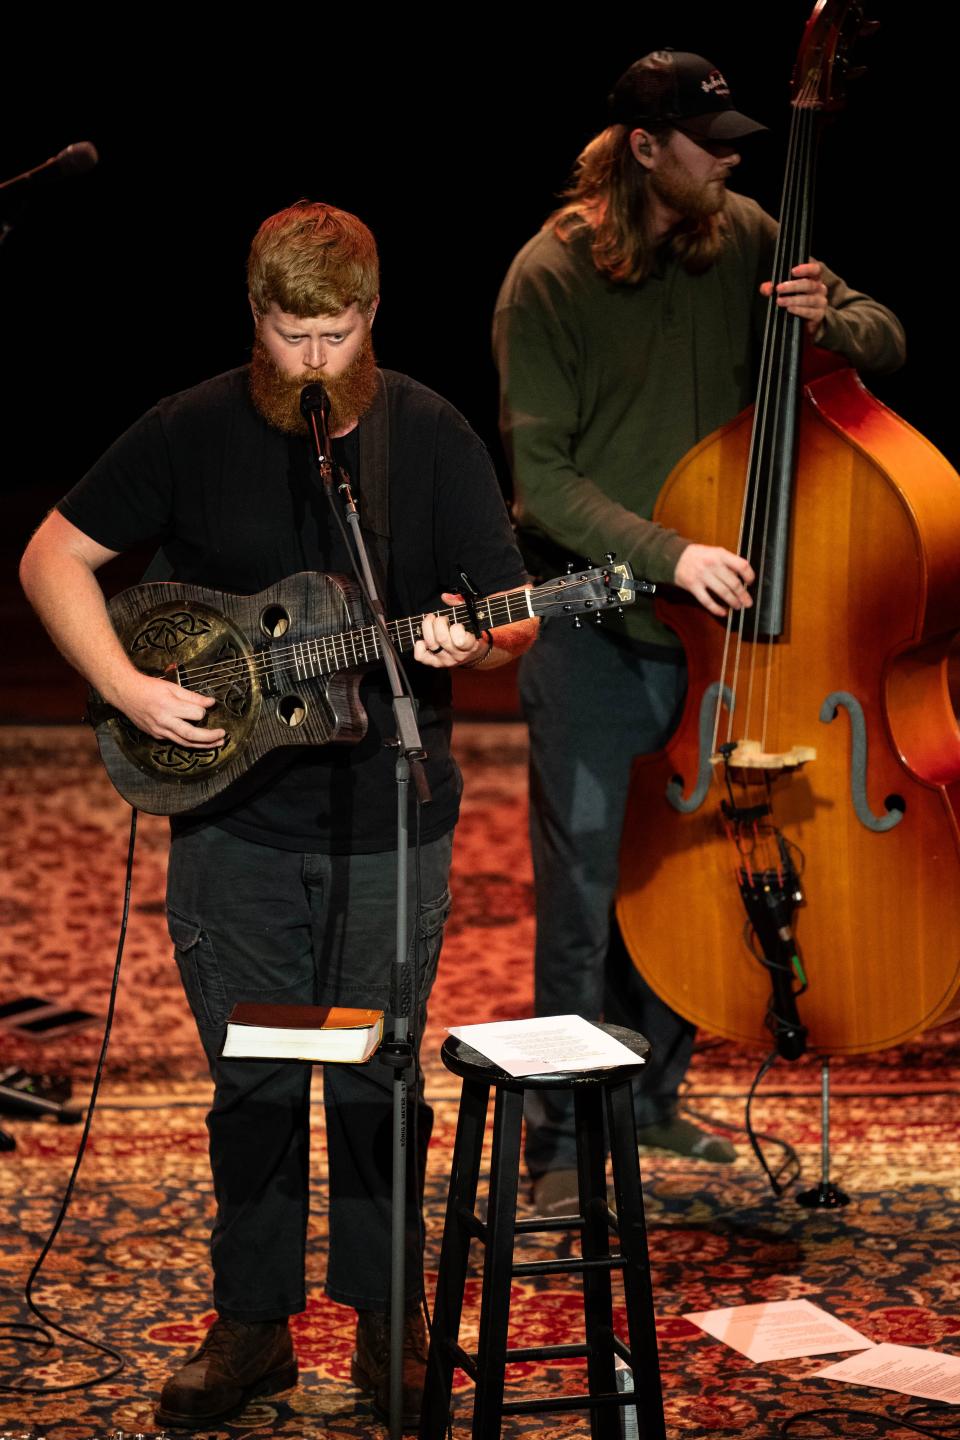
[(451, 135)]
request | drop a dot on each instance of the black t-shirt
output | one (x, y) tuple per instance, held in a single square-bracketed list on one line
[(236, 505)]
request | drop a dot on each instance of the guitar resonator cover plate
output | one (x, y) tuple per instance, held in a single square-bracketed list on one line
[(205, 651)]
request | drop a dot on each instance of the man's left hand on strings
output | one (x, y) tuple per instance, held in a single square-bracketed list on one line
[(805, 295), (444, 645)]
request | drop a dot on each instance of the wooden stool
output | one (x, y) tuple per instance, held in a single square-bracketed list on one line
[(593, 1091)]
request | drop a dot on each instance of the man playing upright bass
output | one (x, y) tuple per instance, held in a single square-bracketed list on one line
[(626, 331)]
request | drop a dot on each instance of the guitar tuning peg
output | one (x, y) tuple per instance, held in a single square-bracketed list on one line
[(576, 623), (589, 564), (598, 618), (570, 567), (610, 556), (620, 611)]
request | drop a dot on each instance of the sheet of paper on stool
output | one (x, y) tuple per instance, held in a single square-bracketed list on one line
[(927, 1374), (779, 1330), (550, 1045)]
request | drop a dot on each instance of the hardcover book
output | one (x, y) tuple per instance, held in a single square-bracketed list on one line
[(302, 1032)]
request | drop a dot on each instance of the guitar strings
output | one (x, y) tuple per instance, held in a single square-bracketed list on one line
[(751, 497), (789, 246), (316, 651), (800, 233), (798, 237), (773, 369), (319, 648), (748, 518)]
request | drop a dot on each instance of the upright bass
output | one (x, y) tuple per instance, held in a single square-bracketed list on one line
[(791, 860)]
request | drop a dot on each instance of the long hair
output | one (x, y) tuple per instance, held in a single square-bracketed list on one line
[(609, 197)]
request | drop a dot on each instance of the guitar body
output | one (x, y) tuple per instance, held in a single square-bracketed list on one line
[(245, 650)]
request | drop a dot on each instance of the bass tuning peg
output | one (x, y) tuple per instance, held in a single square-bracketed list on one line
[(576, 623)]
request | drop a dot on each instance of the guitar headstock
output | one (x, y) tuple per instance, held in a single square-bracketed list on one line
[(599, 588)]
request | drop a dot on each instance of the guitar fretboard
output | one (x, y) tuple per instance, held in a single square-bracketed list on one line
[(325, 654), (322, 655)]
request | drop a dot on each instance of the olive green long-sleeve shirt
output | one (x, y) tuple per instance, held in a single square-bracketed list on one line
[(604, 386)]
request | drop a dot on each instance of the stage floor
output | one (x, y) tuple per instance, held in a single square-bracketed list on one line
[(130, 1269)]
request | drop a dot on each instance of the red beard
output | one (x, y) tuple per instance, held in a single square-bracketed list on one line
[(277, 397)]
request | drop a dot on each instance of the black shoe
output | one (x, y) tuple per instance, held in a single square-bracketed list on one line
[(370, 1366), (235, 1363), (685, 1138)]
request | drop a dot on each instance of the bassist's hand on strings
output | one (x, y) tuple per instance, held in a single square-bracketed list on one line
[(716, 577), (805, 295), (166, 711)]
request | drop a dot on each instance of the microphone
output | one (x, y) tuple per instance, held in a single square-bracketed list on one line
[(314, 397), (75, 159), (315, 409)]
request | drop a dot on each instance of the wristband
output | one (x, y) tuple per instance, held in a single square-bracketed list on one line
[(472, 664)]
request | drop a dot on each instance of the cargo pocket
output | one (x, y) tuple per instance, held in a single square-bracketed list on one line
[(433, 917), (199, 971)]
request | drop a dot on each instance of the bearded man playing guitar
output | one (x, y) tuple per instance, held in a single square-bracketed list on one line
[(284, 891)]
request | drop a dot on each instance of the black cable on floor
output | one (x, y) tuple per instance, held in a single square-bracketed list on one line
[(885, 1422), (23, 1332), (788, 1171), (790, 1159)]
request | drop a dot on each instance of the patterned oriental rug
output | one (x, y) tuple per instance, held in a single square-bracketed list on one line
[(130, 1265)]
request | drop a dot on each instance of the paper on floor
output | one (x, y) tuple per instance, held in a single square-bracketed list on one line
[(928, 1374), (779, 1330)]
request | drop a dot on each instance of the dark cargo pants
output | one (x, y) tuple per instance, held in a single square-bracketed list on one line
[(254, 923), (592, 704)]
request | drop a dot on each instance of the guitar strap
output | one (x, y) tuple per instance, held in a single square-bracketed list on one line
[(374, 483)]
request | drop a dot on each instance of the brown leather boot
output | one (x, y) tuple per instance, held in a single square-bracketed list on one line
[(235, 1362), (370, 1367)]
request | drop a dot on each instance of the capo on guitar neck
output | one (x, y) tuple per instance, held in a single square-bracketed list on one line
[(471, 595)]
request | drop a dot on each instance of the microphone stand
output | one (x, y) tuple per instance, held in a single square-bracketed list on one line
[(397, 1051)]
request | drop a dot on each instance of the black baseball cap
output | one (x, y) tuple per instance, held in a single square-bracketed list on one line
[(685, 91)]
